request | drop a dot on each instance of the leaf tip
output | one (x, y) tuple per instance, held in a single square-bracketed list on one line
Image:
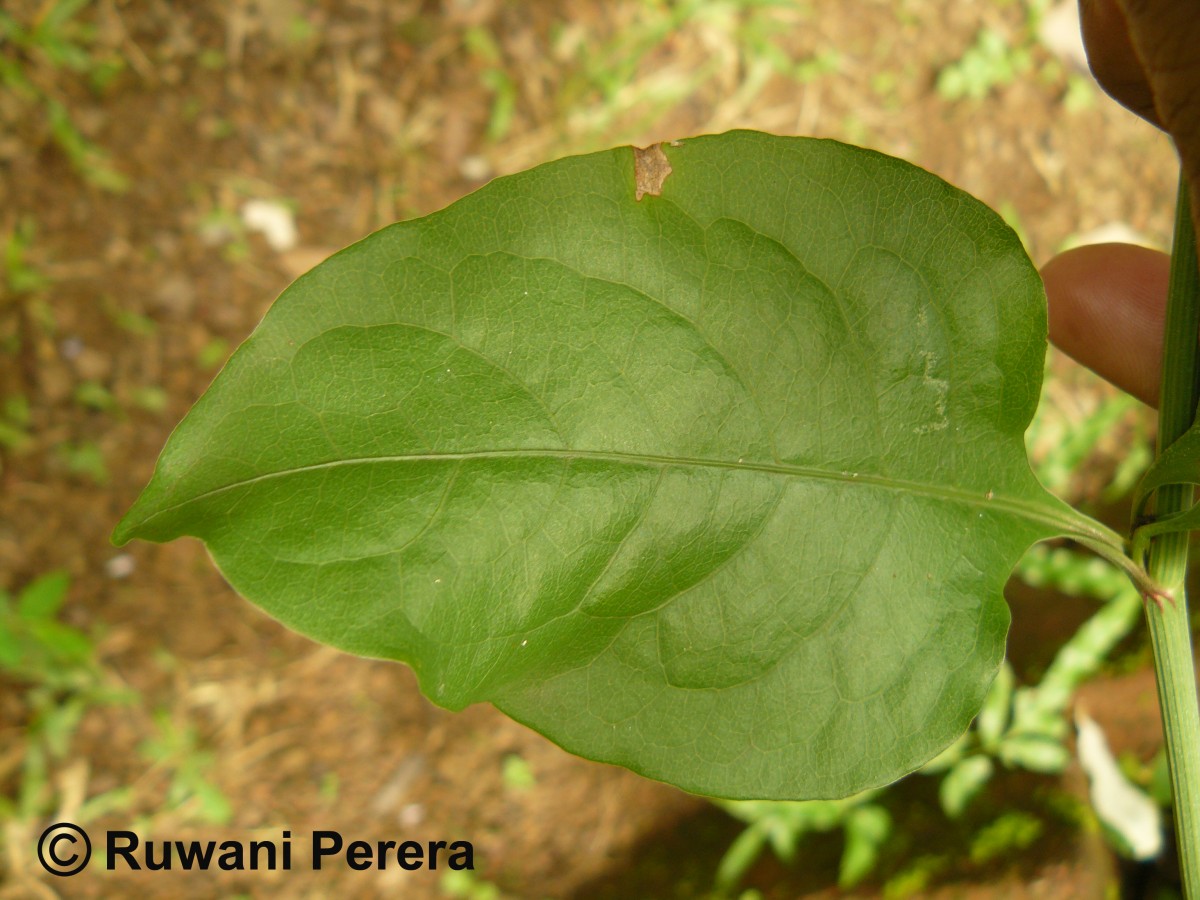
[(122, 534), (130, 525)]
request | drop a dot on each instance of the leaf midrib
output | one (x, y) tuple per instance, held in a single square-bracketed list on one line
[(1063, 520)]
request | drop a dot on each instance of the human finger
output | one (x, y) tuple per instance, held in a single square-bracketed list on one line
[(1107, 303)]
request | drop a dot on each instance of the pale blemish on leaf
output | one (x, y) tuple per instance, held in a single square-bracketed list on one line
[(940, 388), (650, 168)]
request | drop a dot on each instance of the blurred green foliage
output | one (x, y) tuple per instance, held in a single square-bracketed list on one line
[(53, 666), (176, 748), (59, 37), (991, 62)]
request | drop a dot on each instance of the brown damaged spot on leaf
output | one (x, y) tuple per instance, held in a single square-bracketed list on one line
[(650, 169)]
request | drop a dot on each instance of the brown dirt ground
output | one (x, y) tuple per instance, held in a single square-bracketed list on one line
[(358, 113)]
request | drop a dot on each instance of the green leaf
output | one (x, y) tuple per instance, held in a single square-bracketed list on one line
[(517, 774), (1178, 464), (43, 597), (949, 757), (1010, 832), (963, 783), (65, 644), (1035, 752), (721, 484), (11, 649), (742, 854), (1187, 520), (867, 828)]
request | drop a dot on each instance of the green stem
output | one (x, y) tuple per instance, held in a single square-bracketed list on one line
[(1170, 636), (1117, 555)]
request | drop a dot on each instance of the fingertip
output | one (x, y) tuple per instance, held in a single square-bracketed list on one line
[(1107, 303)]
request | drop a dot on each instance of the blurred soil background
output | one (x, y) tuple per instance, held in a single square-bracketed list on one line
[(167, 168)]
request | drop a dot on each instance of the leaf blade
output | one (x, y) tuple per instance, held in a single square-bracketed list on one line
[(721, 484)]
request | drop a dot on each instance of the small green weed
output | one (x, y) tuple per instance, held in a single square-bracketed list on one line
[(20, 276), (14, 424), (176, 747), (88, 159), (58, 37), (151, 398), (54, 668), (212, 354), (782, 825), (1080, 94), (611, 86), (34, 647), (991, 62), (517, 773), (1009, 833), (482, 47), (84, 459), (94, 396), (223, 228), (466, 885), (915, 878)]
